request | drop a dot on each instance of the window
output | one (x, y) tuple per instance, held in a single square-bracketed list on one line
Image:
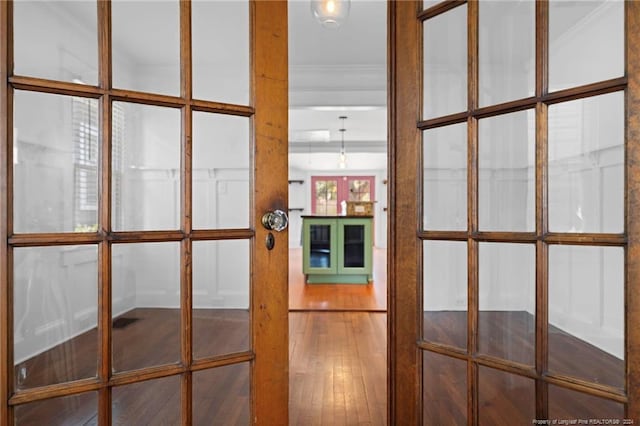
[(328, 192), (87, 160), (325, 196)]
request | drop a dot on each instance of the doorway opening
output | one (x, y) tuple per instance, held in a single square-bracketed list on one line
[(338, 216), (337, 151)]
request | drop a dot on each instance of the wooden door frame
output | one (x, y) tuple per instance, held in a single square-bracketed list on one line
[(405, 265), (403, 165), (632, 195), (6, 111), (269, 274), (270, 317)]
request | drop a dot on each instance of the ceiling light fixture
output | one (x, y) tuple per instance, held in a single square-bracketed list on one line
[(330, 13), (342, 162)]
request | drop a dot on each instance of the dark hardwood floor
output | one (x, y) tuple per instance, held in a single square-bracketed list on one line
[(152, 338), (337, 372), (219, 397), (511, 335)]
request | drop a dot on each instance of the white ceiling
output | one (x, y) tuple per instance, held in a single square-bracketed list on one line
[(361, 40)]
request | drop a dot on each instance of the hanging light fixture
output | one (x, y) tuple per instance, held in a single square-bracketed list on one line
[(330, 13), (342, 161)]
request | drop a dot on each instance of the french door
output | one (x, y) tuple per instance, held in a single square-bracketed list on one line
[(141, 144), (514, 153)]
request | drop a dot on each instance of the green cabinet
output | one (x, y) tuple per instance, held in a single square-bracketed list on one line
[(337, 249)]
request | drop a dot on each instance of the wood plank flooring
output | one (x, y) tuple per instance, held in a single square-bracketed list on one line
[(338, 370), (337, 373), (338, 297), (337, 364), (220, 396), (511, 335)]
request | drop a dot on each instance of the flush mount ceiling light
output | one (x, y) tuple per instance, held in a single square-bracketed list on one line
[(330, 13), (342, 161)]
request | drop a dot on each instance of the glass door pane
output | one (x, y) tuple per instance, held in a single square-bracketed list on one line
[(503, 396), (81, 409), (57, 40), (586, 313), (445, 64), (217, 403), (507, 301), (360, 188), (55, 311), (220, 50), (586, 165), (354, 244), (506, 172), (444, 390), (221, 317), (444, 290), (320, 246), (506, 51), (221, 173), (154, 401), (568, 404), (324, 200), (586, 42), (444, 199), (146, 45), (145, 167), (145, 305), (55, 164)]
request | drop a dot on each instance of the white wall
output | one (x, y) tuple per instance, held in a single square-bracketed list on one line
[(299, 197)]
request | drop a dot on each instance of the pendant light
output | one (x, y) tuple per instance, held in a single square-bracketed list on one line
[(342, 161), (330, 13)]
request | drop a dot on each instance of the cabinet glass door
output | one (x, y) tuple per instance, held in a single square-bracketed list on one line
[(353, 246), (320, 246)]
